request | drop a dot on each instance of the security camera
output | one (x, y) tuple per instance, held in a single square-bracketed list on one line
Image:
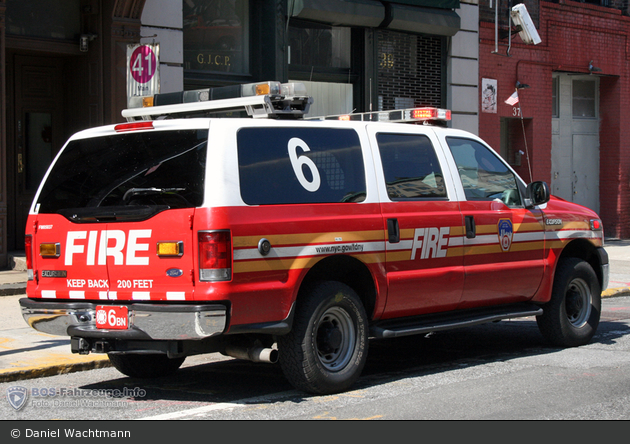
[(521, 18)]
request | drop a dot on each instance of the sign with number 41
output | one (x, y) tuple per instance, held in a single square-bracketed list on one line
[(143, 70)]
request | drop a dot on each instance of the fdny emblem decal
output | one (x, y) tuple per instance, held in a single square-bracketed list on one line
[(506, 231)]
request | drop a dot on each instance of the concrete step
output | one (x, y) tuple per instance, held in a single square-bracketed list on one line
[(13, 279), (17, 261)]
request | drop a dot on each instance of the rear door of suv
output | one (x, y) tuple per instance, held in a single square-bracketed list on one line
[(120, 205)]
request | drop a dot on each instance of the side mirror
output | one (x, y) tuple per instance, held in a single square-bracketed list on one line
[(537, 194)]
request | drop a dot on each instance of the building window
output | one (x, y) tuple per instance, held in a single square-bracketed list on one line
[(49, 19), (410, 70), (584, 99), (555, 97), (320, 56), (216, 36), (319, 46)]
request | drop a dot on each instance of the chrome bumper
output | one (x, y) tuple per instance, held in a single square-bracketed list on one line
[(146, 321)]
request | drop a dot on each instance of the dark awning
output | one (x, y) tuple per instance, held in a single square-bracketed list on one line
[(374, 14), (444, 4), (367, 13), (423, 20)]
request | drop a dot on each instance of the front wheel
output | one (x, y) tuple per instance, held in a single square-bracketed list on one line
[(150, 365), (571, 317), (327, 348)]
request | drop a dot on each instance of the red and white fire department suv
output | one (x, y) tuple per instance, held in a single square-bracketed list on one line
[(280, 238)]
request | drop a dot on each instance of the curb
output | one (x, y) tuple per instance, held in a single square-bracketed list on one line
[(52, 370), (619, 291), (13, 289)]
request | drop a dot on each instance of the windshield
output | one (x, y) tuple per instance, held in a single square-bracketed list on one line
[(152, 170)]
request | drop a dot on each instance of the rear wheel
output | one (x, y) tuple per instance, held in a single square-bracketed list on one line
[(327, 347), (151, 365), (571, 317)]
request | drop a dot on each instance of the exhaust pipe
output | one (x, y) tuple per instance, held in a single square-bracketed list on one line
[(254, 354)]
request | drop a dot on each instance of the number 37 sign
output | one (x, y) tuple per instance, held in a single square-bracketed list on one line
[(143, 70)]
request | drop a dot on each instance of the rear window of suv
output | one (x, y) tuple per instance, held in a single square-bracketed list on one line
[(300, 165), (162, 169)]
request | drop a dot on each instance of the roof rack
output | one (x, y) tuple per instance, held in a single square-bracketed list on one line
[(258, 100)]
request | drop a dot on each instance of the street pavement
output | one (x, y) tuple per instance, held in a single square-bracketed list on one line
[(26, 353)]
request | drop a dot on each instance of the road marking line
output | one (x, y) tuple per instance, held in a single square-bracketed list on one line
[(199, 411)]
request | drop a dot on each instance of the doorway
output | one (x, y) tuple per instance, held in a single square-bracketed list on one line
[(35, 133), (575, 139)]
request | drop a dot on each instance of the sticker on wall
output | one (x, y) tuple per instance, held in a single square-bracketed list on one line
[(489, 95)]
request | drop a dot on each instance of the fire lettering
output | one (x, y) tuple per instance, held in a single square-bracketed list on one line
[(430, 242), (111, 244)]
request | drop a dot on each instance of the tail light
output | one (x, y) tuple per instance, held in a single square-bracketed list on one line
[(215, 256), (28, 248)]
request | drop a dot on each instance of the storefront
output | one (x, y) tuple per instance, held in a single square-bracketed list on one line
[(353, 54), (64, 65)]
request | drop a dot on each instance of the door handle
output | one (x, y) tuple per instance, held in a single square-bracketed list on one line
[(20, 163), (471, 231), (393, 231)]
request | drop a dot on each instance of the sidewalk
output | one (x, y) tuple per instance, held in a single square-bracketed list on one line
[(26, 353)]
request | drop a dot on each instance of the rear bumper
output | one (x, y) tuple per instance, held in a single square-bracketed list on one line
[(603, 260), (146, 321)]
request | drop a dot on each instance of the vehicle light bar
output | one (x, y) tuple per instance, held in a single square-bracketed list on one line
[(410, 115), (265, 99)]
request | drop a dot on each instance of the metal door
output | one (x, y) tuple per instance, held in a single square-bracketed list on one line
[(575, 140)]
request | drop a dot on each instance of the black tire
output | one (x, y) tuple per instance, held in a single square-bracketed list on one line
[(326, 350), (151, 365), (571, 317)]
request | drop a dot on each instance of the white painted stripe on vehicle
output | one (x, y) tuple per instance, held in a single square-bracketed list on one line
[(175, 295), (141, 295), (49, 293), (573, 234), (311, 250), (73, 294)]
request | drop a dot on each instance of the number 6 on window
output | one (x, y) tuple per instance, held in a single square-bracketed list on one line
[(299, 161)]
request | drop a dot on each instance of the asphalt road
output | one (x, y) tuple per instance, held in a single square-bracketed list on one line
[(501, 371)]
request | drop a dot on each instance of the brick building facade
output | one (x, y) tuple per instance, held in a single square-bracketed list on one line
[(564, 127)]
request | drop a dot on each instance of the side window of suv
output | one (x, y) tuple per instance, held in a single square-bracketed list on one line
[(300, 165), (483, 175), (411, 167)]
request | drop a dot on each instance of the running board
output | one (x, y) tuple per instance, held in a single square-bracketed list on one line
[(392, 328)]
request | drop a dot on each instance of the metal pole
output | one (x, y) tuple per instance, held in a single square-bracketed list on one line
[(529, 165)]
